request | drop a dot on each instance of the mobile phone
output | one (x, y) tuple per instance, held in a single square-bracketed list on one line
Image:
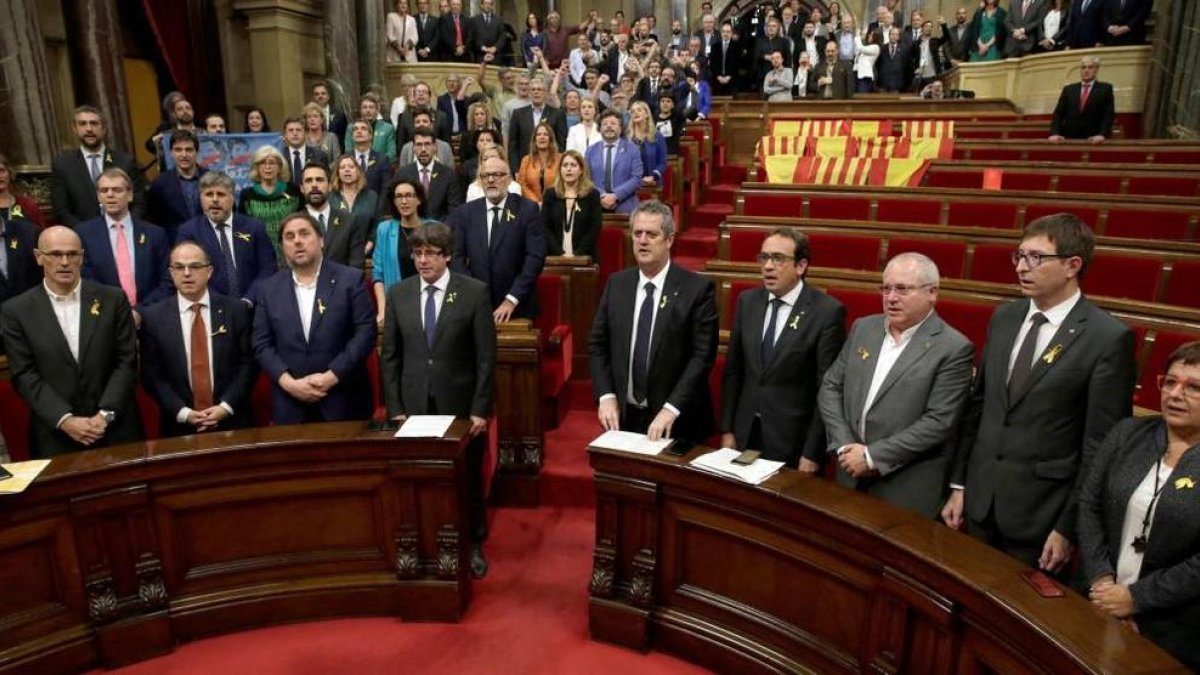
[(383, 425), (679, 448), (1043, 584), (746, 458)]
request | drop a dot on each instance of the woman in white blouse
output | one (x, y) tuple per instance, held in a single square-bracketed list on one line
[(1054, 26), (865, 54), (583, 135), (401, 35)]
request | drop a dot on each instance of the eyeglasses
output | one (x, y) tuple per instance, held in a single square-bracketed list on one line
[(1191, 388), (68, 256), (775, 258), (493, 175), (188, 267), (406, 195), (1033, 259), (902, 289)]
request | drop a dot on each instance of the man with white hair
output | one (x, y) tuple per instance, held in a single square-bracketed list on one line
[(892, 440), (1085, 109)]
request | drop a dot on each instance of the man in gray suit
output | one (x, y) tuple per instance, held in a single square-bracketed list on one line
[(891, 437), (439, 356), (1043, 399)]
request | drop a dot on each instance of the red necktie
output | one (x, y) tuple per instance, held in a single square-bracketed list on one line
[(1083, 95), (202, 390), (125, 265), (457, 32)]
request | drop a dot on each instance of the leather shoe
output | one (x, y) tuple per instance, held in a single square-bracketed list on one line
[(479, 563)]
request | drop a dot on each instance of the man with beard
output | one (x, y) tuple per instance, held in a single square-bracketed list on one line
[(954, 38), (74, 173), (616, 166), (214, 123), (175, 195), (344, 232), (180, 115), (442, 189), (422, 99)]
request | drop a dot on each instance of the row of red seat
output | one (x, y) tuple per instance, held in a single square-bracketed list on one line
[(1114, 180)]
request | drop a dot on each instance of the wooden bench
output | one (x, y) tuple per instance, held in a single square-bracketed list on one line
[(1122, 152), (1181, 181)]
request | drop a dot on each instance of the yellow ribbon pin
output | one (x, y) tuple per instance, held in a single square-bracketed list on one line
[(220, 331), (863, 353), (320, 306), (16, 212), (1185, 483), (13, 244), (1052, 355), (94, 310), (244, 236)]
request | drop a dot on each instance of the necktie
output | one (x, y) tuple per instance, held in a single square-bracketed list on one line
[(1024, 364), (1084, 92), (94, 164), (202, 388), (453, 117), (425, 179), (768, 343), (893, 50), (321, 222), (125, 265), (297, 168), (430, 314), (641, 345), (724, 53), (362, 162), (457, 32), (3, 252), (493, 231), (231, 276), (1025, 7), (608, 168)]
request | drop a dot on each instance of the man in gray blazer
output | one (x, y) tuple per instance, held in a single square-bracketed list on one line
[(1043, 399), (892, 400), (439, 356)]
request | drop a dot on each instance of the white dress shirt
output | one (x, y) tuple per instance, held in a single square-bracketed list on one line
[(439, 297), (1054, 318), (306, 300), (1129, 561), (66, 310), (659, 280), (186, 319), (889, 352), (789, 301)]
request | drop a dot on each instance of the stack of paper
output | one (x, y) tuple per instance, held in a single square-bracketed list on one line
[(627, 441), (721, 462), (23, 474), (425, 426)]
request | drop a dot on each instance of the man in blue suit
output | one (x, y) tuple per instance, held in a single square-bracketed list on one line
[(501, 241), (120, 250), (242, 254), (314, 327), (616, 166), (175, 195), (196, 355), (1087, 26)]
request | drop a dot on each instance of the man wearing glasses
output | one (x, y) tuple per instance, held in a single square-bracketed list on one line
[(196, 351), (892, 400), (1057, 373), (785, 336), (72, 353)]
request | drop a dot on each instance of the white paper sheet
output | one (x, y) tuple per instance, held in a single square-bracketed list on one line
[(721, 462), (23, 474), (627, 441), (425, 426)]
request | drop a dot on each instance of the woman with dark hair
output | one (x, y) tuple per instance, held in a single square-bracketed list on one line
[(538, 168), (391, 259), (985, 36), (532, 39), (571, 209), (1054, 27), (1139, 516), (256, 122), (483, 139)]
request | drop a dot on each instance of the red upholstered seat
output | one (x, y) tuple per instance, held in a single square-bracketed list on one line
[(953, 179), (839, 208), (1122, 276), (1147, 224), (1179, 157), (149, 410), (736, 288), (1165, 342), (969, 318), (260, 400), (716, 381), (557, 342), (14, 422), (993, 262), (844, 251), (1089, 215), (786, 205), (859, 302), (927, 211), (610, 247), (1182, 285), (1029, 182), (1092, 184), (1052, 154), (1162, 186), (992, 154), (1111, 156), (977, 214), (949, 256), (744, 245)]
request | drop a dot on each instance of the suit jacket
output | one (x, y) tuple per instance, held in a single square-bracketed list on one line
[(520, 132), (441, 127), (446, 105), (1094, 119), (783, 392), (341, 337), (253, 255), (445, 193), (725, 64), (1031, 21), (954, 44), (311, 154), (683, 347), (456, 374), (447, 38), (427, 36), (338, 122), (151, 257), (763, 47), (627, 172), (379, 172), (383, 139), (19, 241), (1088, 27), (893, 73), (510, 265), (1132, 13), (1023, 457), (490, 34), (73, 194), (585, 227), (166, 369), (166, 205), (909, 428), (1164, 594), (843, 79), (55, 383), (345, 234)]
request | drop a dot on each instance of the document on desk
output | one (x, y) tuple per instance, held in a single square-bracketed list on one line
[(627, 441), (23, 474), (721, 462), (425, 426)]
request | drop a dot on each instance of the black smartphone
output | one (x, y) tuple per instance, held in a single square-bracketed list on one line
[(384, 425), (679, 448)]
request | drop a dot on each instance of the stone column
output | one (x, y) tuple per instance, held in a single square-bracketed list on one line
[(97, 61), (28, 132), (371, 32), (284, 37), (341, 51)]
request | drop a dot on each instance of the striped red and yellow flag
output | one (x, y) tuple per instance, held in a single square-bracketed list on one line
[(928, 128), (810, 127), (931, 148), (782, 145), (792, 169), (883, 147), (832, 146), (867, 128)]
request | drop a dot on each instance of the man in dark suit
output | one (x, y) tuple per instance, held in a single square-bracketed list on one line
[(344, 232), (314, 327), (19, 269), (831, 78), (422, 99), (296, 152), (122, 251), (439, 356), (197, 359), (771, 42), (1088, 27), (486, 35), (525, 119), (655, 382), (892, 400), (443, 193), (954, 38), (1044, 398), (73, 174), (725, 57), (1086, 108), (785, 336), (335, 120), (374, 165), (1125, 22), (454, 34), (72, 354), (1024, 25), (238, 246), (453, 104), (427, 33), (175, 195), (926, 58), (501, 240), (894, 68), (383, 134)]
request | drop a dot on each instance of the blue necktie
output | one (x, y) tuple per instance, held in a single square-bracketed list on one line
[(430, 314), (231, 275), (608, 168), (768, 343), (641, 345)]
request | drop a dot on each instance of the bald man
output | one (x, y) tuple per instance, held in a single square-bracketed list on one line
[(72, 354)]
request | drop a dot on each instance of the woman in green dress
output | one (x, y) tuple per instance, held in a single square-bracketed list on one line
[(271, 196), (985, 36)]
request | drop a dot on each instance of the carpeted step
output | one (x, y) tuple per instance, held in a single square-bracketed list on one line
[(566, 478), (708, 216), (697, 242), (721, 193)]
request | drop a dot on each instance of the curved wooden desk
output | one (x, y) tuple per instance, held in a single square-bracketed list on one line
[(801, 575), (115, 555)]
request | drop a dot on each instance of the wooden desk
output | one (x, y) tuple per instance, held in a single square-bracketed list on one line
[(802, 575), (115, 555)]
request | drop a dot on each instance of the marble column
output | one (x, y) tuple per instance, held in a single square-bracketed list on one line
[(285, 39), (371, 33), (341, 51), (27, 128), (1173, 95), (98, 64)]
